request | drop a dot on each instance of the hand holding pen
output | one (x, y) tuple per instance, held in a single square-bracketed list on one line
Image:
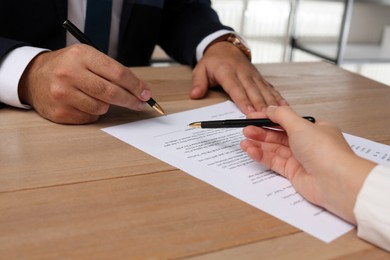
[(84, 39), (77, 84)]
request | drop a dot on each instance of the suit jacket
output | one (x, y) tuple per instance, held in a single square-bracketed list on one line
[(176, 25)]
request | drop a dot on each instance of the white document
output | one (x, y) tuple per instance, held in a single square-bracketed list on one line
[(215, 156), (373, 151)]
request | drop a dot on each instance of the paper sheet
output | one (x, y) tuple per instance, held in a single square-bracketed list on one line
[(214, 156)]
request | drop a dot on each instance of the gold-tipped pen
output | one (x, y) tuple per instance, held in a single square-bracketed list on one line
[(195, 125), (156, 106), (159, 109)]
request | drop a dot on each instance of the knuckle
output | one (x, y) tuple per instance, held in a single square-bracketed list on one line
[(67, 116), (83, 119), (60, 114), (118, 72), (94, 107), (100, 109), (110, 93), (225, 67), (76, 50), (97, 88), (236, 91), (61, 72), (104, 91), (57, 92), (99, 59)]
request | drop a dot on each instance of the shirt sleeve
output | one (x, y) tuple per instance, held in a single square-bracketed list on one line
[(12, 67), (211, 37), (372, 208)]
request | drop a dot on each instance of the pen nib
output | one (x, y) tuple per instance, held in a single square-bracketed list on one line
[(195, 125), (159, 109), (155, 106)]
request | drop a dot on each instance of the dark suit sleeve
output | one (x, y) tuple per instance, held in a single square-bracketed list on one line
[(33, 23), (185, 24), (7, 45)]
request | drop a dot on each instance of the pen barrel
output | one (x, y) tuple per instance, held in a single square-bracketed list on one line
[(263, 122), (235, 123), (310, 119)]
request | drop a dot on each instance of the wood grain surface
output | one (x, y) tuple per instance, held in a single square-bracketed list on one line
[(75, 192)]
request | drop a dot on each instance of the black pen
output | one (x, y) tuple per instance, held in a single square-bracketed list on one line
[(232, 123), (81, 37)]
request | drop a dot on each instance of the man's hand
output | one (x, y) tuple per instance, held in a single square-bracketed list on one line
[(225, 65), (77, 84)]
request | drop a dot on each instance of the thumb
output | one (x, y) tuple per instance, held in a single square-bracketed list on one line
[(199, 83), (286, 117)]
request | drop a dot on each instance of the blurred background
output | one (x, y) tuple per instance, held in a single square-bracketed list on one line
[(354, 34)]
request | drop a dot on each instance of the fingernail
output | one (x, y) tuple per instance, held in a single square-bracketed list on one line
[(284, 102), (250, 108), (145, 94), (271, 108)]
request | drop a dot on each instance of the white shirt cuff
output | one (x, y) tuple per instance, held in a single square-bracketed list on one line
[(207, 40), (12, 67), (372, 210)]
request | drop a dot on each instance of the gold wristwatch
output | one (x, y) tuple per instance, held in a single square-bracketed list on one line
[(236, 41)]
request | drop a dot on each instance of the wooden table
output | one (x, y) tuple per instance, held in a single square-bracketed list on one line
[(76, 192)]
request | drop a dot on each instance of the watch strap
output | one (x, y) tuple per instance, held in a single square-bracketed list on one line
[(236, 41)]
